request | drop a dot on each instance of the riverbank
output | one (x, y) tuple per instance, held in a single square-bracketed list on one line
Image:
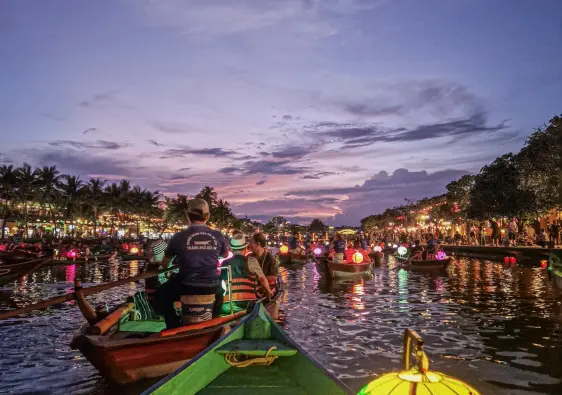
[(527, 255)]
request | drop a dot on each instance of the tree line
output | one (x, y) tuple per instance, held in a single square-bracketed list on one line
[(525, 185)]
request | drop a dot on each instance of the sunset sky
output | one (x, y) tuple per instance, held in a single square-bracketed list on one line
[(304, 108)]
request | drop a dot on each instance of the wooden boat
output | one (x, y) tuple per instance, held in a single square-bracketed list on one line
[(81, 259), (342, 270), (292, 259), (125, 347), (9, 270), (254, 357), (433, 264), (17, 255)]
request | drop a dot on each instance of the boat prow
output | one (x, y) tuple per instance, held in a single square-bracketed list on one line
[(434, 264), (254, 357), (345, 270)]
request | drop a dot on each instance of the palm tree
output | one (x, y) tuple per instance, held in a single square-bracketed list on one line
[(48, 183), (72, 192), (26, 188), (113, 201), (222, 213), (8, 184), (94, 196)]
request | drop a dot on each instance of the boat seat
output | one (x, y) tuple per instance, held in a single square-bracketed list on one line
[(150, 326), (257, 348)]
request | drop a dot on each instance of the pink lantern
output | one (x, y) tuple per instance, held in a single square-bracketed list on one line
[(71, 254), (317, 251), (440, 255)]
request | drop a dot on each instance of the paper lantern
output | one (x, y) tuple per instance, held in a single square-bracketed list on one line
[(357, 257), (395, 246), (284, 249), (378, 248), (389, 244), (416, 380), (440, 255), (512, 260), (505, 259), (71, 254), (402, 250), (317, 251), (134, 250), (544, 264)]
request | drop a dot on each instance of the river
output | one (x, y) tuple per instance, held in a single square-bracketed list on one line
[(495, 326)]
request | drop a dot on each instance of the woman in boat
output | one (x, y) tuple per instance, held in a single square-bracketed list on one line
[(294, 247), (417, 251), (246, 275), (267, 262), (154, 256), (339, 249), (432, 247), (197, 250)]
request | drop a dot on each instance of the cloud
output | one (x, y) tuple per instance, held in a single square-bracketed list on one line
[(261, 182), (290, 208), (155, 143), (100, 144), (265, 167), (100, 98), (317, 176), (90, 130), (213, 152), (382, 191), (173, 127), (293, 152), (53, 117)]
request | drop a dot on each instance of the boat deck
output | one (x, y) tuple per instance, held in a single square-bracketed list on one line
[(251, 380)]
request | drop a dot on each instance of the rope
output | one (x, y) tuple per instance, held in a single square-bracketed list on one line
[(231, 358)]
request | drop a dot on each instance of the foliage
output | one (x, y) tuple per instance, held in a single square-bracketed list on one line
[(317, 226)]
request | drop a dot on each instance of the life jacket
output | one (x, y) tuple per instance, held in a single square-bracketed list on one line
[(243, 285), (349, 255)]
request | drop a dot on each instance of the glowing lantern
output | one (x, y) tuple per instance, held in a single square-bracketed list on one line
[(406, 382), (389, 244), (544, 264), (505, 259), (512, 260), (402, 250), (357, 257), (71, 254), (134, 250), (395, 246), (284, 249), (378, 248), (440, 255), (317, 251)]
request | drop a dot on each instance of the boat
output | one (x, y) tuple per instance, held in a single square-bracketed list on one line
[(10, 270), (18, 255), (432, 264), (342, 270), (292, 259), (132, 344), (80, 259), (255, 357)]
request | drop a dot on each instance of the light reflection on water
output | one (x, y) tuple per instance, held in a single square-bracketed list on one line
[(496, 327)]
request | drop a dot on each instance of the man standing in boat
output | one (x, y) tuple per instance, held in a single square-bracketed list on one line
[(197, 250), (267, 262)]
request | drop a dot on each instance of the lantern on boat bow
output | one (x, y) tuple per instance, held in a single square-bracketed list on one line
[(416, 380), (357, 257), (317, 251), (134, 250), (402, 250), (284, 249), (440, 255)]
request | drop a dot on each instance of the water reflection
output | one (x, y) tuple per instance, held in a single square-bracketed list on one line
[(496, 326)]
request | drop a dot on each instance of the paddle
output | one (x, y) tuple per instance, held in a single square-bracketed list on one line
[(85, 291)]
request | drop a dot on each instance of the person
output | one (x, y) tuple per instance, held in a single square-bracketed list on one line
[(541, 239), (482, 233), (154, 255), (512, 230), (339, 248), (417, 250), (349, 251), (197, 250), (267, 262), (246, 273), (495, 233), (432, 246), (555, 233)]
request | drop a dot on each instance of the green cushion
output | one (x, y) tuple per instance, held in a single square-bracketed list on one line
[(153, 326)]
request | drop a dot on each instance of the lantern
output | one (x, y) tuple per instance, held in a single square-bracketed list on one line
[(134, 250), (284, 249), (378, 248), (417, 380), (402, 250), (389, 244), (357, 257), (71, 254), (440, 255), (512, 260), (395, 246), (544, 264), (505, 259), (317, 251)]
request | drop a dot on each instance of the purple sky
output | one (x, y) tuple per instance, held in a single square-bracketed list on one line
[(304, 108)]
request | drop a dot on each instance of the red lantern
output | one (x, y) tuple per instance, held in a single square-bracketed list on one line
[(284, 249), (512, 260), (506, 259), (544, 264)]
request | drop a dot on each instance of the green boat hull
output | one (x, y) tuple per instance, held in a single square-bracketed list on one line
[(293, 371)]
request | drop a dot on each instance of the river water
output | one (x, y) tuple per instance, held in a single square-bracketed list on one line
[(495, 326)]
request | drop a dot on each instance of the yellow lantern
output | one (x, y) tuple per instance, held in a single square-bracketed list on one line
[(134, 250), (357, 257), (416, 380), (284, 249)]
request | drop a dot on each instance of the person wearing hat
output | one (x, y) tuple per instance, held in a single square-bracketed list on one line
[(154, 255), (246, 273), (196, 251)]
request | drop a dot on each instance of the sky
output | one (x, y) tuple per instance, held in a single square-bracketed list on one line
[(331, 109)]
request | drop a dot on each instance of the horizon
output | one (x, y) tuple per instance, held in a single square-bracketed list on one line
[(330, 109)]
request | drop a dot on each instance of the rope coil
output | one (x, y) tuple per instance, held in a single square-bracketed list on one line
[(232, 358)]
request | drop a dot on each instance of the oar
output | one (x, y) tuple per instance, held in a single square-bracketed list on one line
[(85, 291)]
